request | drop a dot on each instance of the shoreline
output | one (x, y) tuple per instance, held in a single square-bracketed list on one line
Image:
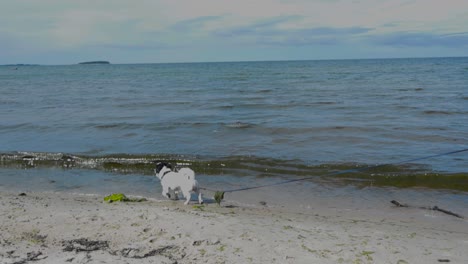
[(63, 227), (390, 175)]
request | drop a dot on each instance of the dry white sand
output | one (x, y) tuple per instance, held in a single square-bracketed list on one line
[(69, 228)]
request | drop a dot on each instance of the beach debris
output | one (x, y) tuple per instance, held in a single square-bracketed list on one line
[(433, 208), (116, 197), (120, 197), (219, 196), (33, 237), (22, 194), (197, 242), (214, 241), (398, 204), (443, 260), (31, 256), (83, 244), (170, 251), (198, 207)]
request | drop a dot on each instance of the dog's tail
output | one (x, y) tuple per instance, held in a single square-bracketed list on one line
[(188, 173)]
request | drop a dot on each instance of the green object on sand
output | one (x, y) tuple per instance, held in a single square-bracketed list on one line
[(219, 196), (116, 197), (120, 197)]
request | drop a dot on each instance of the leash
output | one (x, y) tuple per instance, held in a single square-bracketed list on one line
[(219, 195)]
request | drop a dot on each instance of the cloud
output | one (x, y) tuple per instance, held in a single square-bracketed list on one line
[(188, 28), (421, 39), (194, 24), (273, 32), (327, 31), (262, 27), (134, 47), (87, 27)]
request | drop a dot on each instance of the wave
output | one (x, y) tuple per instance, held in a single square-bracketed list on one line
[(437, 112), (169, 125), (442, 112), (238, 125), (401, 175), (23, 126)]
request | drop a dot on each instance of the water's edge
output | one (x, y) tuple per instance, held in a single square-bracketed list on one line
[(409, 175)]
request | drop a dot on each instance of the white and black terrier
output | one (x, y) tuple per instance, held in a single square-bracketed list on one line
[(173, 182)]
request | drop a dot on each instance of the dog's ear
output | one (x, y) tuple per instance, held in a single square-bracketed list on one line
[(161, 164), (169, 166)]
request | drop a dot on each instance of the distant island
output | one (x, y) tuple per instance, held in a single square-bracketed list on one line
[(95, 62)]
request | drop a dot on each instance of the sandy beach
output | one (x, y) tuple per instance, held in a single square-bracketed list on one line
[(72, 228)]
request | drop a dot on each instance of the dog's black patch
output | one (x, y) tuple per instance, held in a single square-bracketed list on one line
[(161, 164)]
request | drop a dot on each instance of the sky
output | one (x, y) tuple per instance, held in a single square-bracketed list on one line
[(159, 31)]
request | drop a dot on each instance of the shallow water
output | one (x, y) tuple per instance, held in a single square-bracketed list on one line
[(308, 197), (238, 124)]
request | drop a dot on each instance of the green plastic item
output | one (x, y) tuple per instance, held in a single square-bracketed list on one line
[(120, 197)]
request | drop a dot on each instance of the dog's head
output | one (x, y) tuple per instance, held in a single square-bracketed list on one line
[(161, 164)]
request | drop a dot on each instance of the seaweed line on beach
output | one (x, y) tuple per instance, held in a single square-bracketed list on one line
[(31, 256), (172, 252), (136, 253), (83, 244)]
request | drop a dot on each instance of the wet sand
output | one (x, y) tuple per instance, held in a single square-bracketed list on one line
[(70, 228)]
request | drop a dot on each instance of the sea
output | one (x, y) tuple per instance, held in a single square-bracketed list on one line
[(361, 128)]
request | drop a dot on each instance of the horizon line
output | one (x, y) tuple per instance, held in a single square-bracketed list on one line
[(234, 61)]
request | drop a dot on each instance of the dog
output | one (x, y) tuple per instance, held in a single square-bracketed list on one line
[(173, 181)]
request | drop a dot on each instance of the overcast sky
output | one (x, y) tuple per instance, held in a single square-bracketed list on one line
[(145, 31)]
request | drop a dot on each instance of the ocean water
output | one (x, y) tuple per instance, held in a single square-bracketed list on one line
[(266, 120)]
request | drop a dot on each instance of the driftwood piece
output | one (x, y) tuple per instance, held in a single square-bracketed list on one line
[(435, 208), (398, 204), (447, 212)]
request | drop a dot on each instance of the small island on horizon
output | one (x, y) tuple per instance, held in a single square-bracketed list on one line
[(95, 62)]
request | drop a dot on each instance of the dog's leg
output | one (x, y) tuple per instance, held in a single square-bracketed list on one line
[(174, 194), (166, 193), (200, 199), (187, 197)]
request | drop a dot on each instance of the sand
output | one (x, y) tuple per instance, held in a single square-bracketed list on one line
[(71, 228)]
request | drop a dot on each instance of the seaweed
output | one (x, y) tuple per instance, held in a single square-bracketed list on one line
[(198, 207), (120, 197), (83, 244)]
